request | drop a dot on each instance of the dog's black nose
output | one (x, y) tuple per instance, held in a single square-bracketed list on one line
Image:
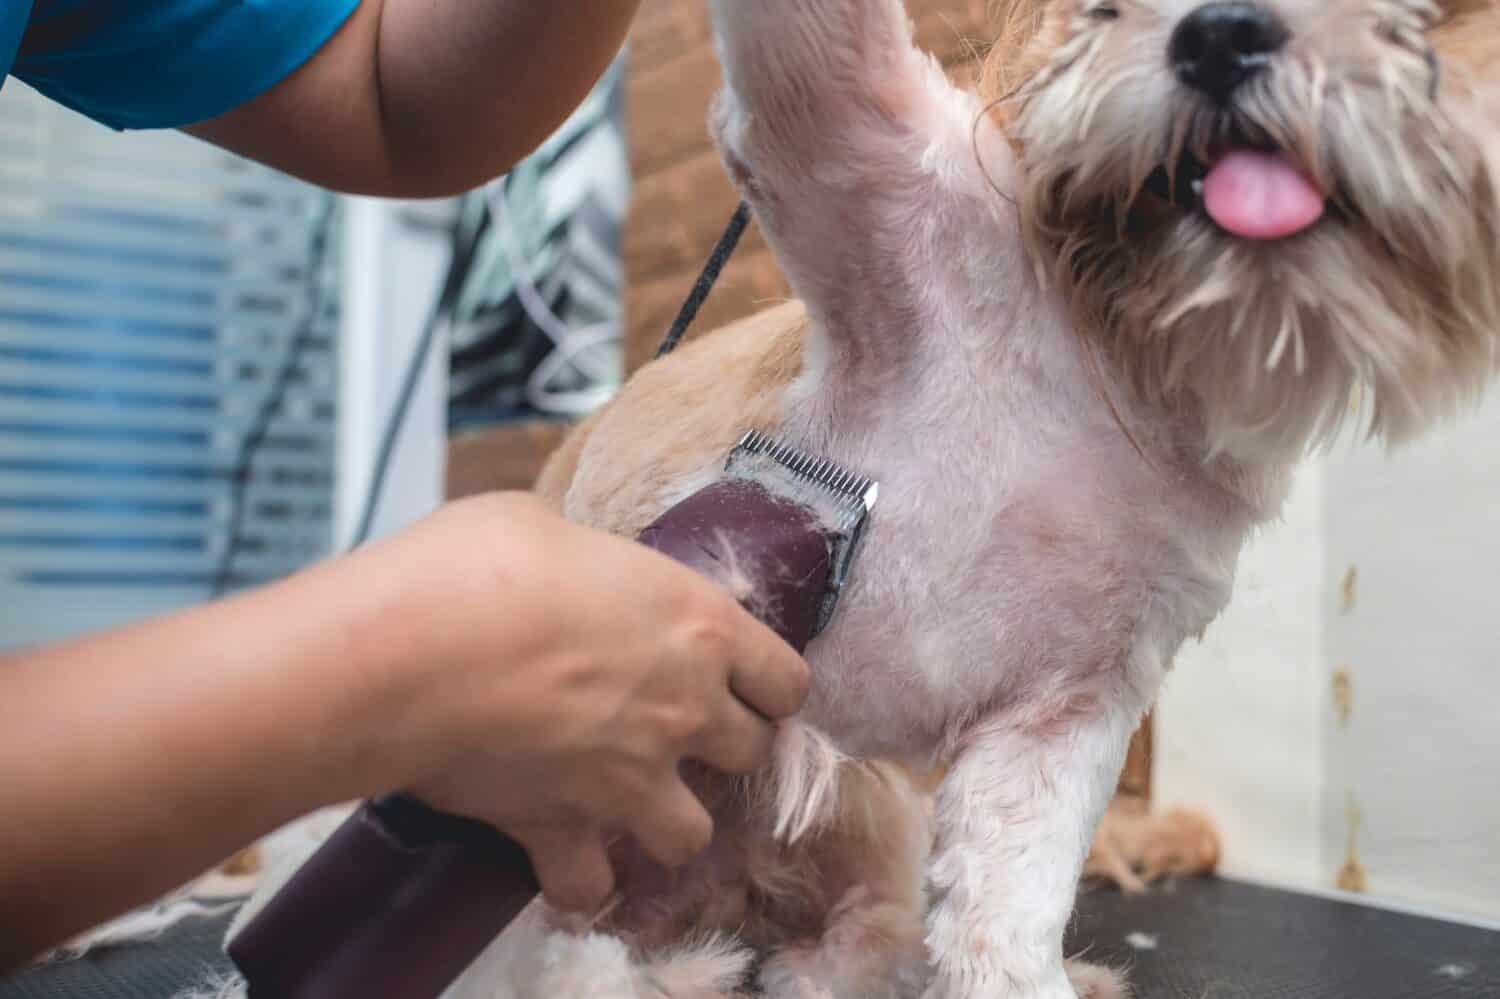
[(1221, 45)]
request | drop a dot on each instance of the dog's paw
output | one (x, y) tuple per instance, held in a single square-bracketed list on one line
[(587, 967), (851, 968), (713, 968), (783, 984), (1092, 981), (788, 974), (998, 982), (230, 987)]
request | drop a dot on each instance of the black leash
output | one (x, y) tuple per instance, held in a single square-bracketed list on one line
[(706, 280)]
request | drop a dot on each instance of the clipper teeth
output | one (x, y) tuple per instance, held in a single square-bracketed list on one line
[(853, 497), (856, 493)]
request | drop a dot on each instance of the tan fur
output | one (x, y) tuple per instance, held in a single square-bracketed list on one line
[(867, 865), (557, 474), (860, 870), (1470, 37), (245, 863), (731, 381), (1135, 847), (1025, 40)]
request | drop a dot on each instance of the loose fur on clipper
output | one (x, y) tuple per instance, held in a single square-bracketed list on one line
[(1081, 325)]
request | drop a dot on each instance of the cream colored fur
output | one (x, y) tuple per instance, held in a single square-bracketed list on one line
[(1401, 306)]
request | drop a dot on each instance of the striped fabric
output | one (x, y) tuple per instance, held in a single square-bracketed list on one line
[(560, 221), (150, 288)]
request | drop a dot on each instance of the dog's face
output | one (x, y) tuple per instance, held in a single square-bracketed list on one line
[(1262, 208)]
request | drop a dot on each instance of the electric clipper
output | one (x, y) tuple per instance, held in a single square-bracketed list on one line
[(401, 899)]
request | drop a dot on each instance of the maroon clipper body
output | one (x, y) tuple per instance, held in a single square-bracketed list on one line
[(401, 899)]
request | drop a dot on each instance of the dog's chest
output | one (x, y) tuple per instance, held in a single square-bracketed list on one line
[(999, 567)]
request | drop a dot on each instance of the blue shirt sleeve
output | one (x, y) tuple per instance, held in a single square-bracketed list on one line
[(13, 18), (167, 63)]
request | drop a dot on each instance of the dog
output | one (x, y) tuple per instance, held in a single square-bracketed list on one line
[(1082, 324), (1135, 848)]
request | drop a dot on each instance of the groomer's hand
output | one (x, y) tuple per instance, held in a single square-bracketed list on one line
[(555, 678)]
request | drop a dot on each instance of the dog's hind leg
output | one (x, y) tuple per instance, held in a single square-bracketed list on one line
[(871, 949), (597, 966), (535, 960), (1093, 981), (713, 968), (871, 945)]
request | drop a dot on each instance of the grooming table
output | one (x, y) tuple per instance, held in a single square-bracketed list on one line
[(1199, 940)]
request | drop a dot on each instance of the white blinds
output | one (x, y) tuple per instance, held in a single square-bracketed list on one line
[(151, 287)]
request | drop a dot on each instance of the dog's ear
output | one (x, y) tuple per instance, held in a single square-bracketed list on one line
[(1460, 8), (1028, 31), (1467, 38)]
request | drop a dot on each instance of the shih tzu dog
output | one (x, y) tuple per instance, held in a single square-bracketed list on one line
[(1082, 325)]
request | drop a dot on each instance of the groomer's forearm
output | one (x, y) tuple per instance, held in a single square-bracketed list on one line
[(424, 98), (133, 761), (486, 81)]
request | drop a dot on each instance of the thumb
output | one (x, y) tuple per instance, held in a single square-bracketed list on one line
[(572, 867)]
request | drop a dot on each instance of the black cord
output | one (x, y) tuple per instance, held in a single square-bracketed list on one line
[(460, 261), (239, 482), (706, 280)]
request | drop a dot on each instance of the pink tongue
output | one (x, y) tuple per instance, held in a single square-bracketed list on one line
[(1261, 196)]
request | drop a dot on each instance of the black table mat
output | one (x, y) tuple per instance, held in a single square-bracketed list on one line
[(1200, 940), (1223, 940)]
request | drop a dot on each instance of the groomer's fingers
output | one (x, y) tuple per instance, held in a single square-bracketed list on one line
[(768, 674), (739, 742), (673, 826), (572, 867)]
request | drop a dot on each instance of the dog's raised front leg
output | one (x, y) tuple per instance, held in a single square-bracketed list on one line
[(1014, 821), (847, 140)]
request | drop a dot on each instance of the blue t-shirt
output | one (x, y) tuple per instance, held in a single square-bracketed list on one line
[(160, 63)]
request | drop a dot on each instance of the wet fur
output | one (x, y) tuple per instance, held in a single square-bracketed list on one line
[(1080, 404)]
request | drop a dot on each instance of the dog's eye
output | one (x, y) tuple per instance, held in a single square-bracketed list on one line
[(1103, 12)]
